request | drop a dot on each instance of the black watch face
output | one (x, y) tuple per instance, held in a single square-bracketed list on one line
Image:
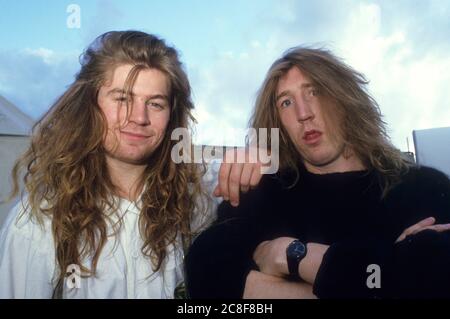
[(297, 249)]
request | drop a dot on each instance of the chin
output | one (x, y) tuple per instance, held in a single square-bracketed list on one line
[(135, 158), (321, 159)]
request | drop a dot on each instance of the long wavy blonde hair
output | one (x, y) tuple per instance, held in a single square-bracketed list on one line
[(359, 120), (65, 165)]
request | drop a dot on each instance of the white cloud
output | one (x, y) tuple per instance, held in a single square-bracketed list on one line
[(46, 55), (224, 92), (33, 78), (410, 88)]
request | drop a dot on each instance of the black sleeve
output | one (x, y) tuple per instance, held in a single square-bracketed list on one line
[(221, 257), (219, 261), (417, 267)]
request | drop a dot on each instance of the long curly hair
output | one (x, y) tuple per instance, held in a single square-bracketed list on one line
[(358, 115), (65, 171)]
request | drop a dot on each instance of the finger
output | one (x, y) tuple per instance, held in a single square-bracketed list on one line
[(246, 176), (400, 238), (426, 222), (439, 228), (416, 227), (256, 176), (234, 183), (423, 223), (224, 174)]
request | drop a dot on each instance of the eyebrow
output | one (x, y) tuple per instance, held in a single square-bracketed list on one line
[(150, 97), (286, 92)]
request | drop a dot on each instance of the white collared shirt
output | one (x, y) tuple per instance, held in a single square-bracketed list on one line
[(27, 262), (28, 268)]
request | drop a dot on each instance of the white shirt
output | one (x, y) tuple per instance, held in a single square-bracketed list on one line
[(28, 268)]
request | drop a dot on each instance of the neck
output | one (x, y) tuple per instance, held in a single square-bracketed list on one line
[(344, 163), (126, 177)]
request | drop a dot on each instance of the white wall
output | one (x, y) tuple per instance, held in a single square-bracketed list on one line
[(433, 148)]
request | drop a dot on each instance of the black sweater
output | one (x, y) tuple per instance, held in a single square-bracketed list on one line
[(345, 211)]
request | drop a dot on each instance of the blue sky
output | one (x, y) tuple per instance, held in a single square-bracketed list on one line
[(227, 46)]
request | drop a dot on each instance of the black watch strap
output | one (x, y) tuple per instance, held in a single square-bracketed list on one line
[(295, 252)]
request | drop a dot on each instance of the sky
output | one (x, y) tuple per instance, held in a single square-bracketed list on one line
[(401, 46)]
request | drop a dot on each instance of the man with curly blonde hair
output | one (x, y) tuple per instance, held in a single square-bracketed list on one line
[(106, 210)]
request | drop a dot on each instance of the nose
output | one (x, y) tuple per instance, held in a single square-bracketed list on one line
[(303, 109), (139, 113)]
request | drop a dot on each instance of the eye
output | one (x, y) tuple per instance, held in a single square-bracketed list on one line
[(155, 105), (285, 103), (313, 91), (122, 99)]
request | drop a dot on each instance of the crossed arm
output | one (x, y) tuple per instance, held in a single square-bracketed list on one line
[(224, 262), (270, 256), (270, 280)]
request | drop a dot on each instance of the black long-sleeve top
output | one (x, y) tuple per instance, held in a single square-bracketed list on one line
[(345, 211)]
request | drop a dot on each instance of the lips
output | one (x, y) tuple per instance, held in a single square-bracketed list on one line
[(312, 137), (134, 136)]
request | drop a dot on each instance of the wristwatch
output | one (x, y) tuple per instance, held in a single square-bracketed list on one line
[(295, 252)]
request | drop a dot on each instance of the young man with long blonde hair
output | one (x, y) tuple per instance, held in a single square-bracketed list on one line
[(106, 210), (347, 215)]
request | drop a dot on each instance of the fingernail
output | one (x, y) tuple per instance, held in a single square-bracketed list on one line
[(235, 204), (430, 220)]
